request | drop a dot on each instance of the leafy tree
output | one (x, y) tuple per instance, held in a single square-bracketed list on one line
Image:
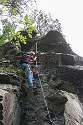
[(8, 31), (17, 12), (10, 27), (45, 23)]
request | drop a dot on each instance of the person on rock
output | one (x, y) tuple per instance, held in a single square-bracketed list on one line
[(25, 65)]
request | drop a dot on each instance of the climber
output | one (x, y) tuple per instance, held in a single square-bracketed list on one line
[(25, 65)]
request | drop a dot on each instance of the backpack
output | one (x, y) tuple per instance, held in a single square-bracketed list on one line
[(23, 59)]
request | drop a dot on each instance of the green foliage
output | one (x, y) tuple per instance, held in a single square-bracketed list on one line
[(8, 31), (28, 25), (1, 11), (5, 2), (1, 40), (9, 28), (13, 11), (20, 37)]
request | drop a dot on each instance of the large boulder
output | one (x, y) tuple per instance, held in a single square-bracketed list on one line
[(9, 109), (73, 110), (54, 41)]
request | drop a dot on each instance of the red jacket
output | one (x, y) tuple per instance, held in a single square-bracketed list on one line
[(29, 58)]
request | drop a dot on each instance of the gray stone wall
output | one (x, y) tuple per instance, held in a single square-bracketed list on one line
[(71, 74), (9, 108)]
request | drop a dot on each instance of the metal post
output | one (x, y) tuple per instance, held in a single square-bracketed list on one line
[(36, 53), (36, 47)]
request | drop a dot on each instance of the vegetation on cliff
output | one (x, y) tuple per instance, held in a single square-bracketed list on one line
[(16, 19)]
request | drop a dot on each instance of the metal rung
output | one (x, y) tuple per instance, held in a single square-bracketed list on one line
[(41, 74)]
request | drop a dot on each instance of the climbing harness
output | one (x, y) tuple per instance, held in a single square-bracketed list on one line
[(48, 113)]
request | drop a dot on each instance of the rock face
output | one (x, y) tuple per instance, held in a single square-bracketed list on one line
[(8, 52), (9, 106), (73, 110), (61, 78), (9, 109), (62, 86), (67, 78), (53, 41)]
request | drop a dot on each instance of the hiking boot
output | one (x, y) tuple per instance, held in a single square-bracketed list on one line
[(25, 87), (35, 91)]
